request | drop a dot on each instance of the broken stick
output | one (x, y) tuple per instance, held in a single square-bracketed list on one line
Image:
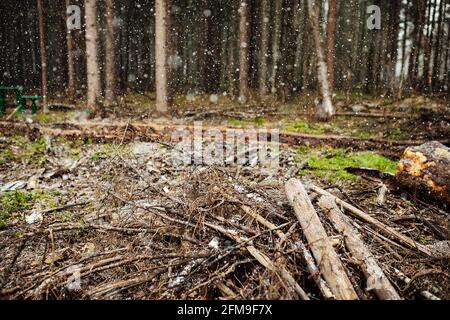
[(376, 279), (310, 263), (379, 225), (328, 261)]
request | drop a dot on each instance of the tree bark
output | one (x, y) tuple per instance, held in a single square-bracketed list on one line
[(70, 63), (330, 265), (110, 56), (161, 50), (325, 109), (376, 279), (331, 33), (43, 52), (424, 170), (92, 62), (276, 44), (437, 49), (264, 47), (243, 52)]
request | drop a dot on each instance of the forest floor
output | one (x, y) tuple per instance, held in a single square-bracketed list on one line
[(101, 201)]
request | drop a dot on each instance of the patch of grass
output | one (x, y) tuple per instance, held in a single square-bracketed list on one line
[(17, 201), (256, 122), (109, 150), (306, 127), (395, 134), (11, 202), (331, 163), (20, 148)]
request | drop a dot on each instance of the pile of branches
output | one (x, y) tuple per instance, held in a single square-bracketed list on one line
[(205, 233)]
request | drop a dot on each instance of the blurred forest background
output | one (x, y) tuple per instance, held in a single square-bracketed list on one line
[(244, 49)]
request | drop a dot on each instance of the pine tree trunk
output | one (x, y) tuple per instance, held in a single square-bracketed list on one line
[(161, 50), (437, 49), (331, 32), (70, 63), (43, 52), (243, 52), (231, 58), (110, 56), (427, 76), (92, 64), (264, 47), (325, 109), (276, 44)]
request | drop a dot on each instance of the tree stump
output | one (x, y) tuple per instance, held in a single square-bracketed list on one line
[(425, 171)]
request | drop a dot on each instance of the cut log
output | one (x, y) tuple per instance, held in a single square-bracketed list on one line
[(376, 279), (374, 222), (425, 171), (326, 258)]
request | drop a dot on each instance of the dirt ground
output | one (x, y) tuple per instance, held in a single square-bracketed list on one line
[(89, 219)]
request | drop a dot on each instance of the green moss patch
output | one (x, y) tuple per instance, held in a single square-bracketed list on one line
[(17, 201), (331, 163), (20, 148), (256, 122)]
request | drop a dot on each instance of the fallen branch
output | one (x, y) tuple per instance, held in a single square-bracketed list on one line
[(376, 279), (330, 265), (312, 268), (426, 294), (379, 225)]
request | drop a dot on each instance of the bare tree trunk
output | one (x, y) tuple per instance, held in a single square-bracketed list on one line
[(92, 66), (43, 53), (243, 52), (437, 48), (264, 47), (161, 49), (70, 65), (110, 56), (430, 24), (331, 33), (231, 60), (276, 45), (325, 109)]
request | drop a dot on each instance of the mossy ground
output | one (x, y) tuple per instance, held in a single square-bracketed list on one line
[(21, 148), (330, 164), (16, 201)]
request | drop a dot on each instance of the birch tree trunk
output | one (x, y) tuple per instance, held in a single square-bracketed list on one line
[(43, 52), (264, 47), (243, 52), (110, 56), (92, 64), (161, 49), (325, 109), (70, 63)]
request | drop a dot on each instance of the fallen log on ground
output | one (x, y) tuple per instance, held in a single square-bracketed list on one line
[(376, 279), (425, 170), (127, 132), (374, 222), (327, 259)]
